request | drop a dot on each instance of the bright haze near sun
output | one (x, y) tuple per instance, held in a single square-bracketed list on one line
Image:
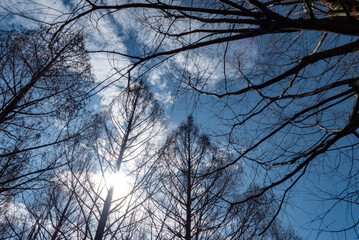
[(119, 181)]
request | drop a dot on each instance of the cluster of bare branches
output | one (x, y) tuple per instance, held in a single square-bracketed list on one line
[(281, 76), (191, 200), (41, 84), (290, 107)]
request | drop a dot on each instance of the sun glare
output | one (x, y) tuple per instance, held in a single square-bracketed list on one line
[(119, 181)]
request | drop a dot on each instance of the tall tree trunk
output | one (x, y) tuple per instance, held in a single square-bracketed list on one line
[(106, 207), (189, 190), (104, 215)]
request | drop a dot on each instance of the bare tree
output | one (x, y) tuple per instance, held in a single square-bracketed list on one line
[(187, 204), (188, 201), (60, 204), (43, 87), (135, 119)]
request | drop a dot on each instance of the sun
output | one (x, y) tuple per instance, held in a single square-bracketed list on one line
[(119, 181)]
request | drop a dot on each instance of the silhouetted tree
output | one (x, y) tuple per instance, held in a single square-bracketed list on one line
[(189, 200), (135, 120), (43, 87)]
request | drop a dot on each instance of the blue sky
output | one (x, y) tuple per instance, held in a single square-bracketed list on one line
[(114, 33)]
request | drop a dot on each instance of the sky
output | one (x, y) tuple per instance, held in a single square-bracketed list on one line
[(114, 31)]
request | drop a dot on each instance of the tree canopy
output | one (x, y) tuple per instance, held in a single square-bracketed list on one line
[(280, 78)]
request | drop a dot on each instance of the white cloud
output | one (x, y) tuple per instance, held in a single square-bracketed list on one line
[(101, 34), (31, 13), (164, 97)]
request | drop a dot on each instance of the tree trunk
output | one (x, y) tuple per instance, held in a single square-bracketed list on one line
[(104, 215)]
